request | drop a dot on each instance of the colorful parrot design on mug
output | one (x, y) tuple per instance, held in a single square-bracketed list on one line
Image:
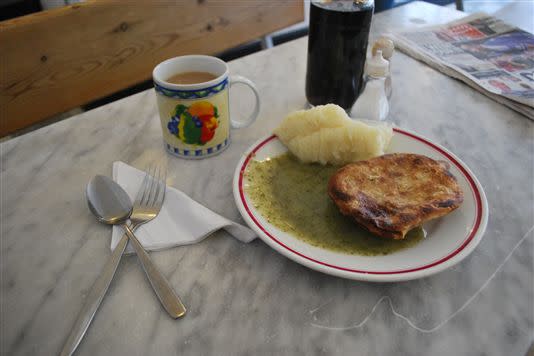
[(194, 124)]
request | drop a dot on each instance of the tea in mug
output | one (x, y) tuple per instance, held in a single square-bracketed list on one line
[(191, 78)]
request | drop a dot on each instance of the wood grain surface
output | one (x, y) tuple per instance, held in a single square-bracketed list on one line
[(58, 59)]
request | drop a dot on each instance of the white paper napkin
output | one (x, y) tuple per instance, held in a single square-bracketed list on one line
[(181, 221)]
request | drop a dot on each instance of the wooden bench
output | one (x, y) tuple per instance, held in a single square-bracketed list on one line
[(59, 59)]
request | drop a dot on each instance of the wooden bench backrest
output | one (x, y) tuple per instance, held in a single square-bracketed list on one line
[(59, 59)]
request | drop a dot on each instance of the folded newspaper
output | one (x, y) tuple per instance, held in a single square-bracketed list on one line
[(484, 52)]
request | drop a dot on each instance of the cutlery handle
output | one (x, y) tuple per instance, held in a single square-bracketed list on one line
[(97, 293), (161, 286)]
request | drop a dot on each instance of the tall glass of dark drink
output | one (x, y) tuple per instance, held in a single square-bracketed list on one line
[(337, 47)]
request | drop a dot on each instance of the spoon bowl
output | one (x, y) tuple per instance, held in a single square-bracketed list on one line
[(108, 201)]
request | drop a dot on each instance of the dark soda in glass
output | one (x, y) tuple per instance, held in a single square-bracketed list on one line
[(337, 47)]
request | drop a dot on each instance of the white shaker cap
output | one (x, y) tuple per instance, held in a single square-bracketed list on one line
[(377, 66), (386, 45)]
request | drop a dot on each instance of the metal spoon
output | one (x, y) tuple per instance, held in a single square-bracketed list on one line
[(111, 205)]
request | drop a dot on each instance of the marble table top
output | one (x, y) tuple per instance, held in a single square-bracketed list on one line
[(246, 299)]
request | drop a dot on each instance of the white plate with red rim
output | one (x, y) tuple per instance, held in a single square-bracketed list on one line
[(449, 239)]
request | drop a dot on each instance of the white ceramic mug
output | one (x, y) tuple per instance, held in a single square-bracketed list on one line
[(195, 118)]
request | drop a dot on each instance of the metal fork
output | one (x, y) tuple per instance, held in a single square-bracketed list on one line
[(146, 206)]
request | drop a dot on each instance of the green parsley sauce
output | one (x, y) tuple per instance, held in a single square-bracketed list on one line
[(293, 197)]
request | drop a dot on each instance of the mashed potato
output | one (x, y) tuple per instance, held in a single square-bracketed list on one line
[(325, 134)]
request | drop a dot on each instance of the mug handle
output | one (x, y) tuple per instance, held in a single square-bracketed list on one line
[(234, 79)]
